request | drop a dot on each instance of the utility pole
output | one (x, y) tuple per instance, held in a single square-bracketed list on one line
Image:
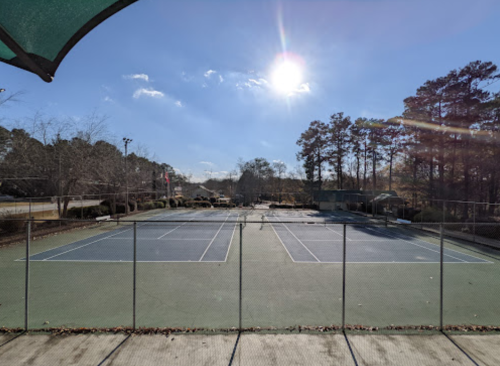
[(126, 141)]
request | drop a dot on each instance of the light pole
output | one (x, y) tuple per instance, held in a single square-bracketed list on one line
[(126, 141)]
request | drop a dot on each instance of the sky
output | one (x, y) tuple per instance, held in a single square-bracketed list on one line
[(200, 84)]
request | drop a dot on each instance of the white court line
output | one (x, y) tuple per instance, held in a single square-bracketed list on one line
[(150, 239), (453, 250), (168, 232), (281, 241), (92, 242), (447, 263), (326, 227), (338, 240), (95, 241), (232, 236), (176, 228), (189, 261), (118, 261), (218, 231), (299, 241), (421, 246), (63, 245)]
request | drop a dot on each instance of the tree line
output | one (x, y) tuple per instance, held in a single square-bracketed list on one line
[(445, 145), (49, 157)]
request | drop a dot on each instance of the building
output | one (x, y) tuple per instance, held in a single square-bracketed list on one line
[(202, 191), (332, 200)]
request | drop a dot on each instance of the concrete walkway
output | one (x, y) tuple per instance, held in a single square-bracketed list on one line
[(251, 349)]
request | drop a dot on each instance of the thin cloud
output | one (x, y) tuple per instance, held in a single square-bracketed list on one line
[(265, 143), (221, 79), (209, 73), (185, 77), (179, 104), (260, 81), (137, 77), (150, 92), (107, 99), (303, 88), (253, 83), (209, 163)]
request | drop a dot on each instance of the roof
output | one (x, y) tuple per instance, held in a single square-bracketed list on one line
[(334, 195), (387, 197), (338, 195), (207, 190)]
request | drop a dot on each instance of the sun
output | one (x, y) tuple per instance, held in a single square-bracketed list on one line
[(287, 77)]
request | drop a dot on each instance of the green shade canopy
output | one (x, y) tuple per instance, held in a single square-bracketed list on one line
[(36, 35)]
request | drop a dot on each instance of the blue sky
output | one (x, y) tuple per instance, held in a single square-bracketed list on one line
[(194, 81)]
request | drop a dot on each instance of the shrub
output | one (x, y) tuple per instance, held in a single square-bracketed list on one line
[(181, 200), (120, 208), (165, 202), (197, 203), (159, 204), (89, 212), (11, 227), (431, 214)]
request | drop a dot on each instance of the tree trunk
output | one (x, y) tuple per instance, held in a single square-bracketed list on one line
[(357, 172), (390, 171), (431, 177)]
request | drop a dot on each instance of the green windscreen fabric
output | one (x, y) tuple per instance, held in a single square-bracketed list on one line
[(45, 30), (5, 52)]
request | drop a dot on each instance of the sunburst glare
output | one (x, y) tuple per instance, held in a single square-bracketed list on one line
[(287, 76)]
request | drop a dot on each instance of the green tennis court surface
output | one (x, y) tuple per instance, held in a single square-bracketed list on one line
[(276, 291)]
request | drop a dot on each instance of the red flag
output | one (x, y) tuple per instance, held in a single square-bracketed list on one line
[(166, 178)]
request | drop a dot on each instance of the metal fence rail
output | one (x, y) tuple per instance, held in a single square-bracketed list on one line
[(242, 275)]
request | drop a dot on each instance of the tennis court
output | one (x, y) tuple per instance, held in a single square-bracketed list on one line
[(179, 241), (314, 239)]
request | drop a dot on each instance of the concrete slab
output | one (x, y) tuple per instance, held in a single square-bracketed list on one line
[(5, 338), (408, 350), (484, 349), (174, 350), (43, 350), (292, 349)]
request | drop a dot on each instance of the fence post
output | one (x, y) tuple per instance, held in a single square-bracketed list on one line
[(474, 223), (135, 274), (241, 278), (441, 269), (27, 279), (444, 211), (343, 276), (422, 215)]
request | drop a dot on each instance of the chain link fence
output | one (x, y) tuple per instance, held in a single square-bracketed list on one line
[(251, 272)]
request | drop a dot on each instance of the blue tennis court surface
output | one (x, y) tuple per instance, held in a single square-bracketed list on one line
[(156, 241), (317, 242)]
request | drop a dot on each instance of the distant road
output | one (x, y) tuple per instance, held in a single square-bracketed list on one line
[(46, 206)]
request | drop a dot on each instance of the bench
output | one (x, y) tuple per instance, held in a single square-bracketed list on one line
[(103, 218)]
